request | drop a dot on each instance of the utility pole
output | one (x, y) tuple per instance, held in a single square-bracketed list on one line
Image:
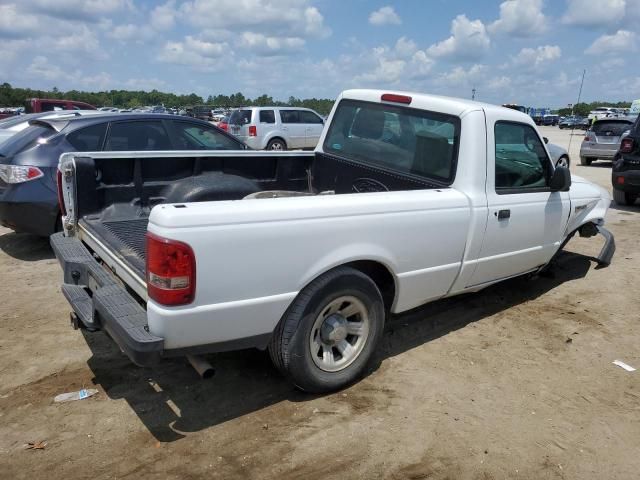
[(473, 93), (580, 91)]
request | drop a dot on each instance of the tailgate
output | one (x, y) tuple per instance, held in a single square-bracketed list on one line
[(101, 302)]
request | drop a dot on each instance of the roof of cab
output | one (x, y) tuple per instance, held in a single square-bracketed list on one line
[(450, 105)]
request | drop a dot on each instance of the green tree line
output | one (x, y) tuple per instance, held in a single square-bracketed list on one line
[(14, 97), (583, 109)]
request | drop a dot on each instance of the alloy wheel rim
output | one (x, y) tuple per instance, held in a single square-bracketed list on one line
[(339, 333)]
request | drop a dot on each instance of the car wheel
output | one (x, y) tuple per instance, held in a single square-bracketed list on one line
[(327, 336), (623, 198), (276, 144), (563, 161), (586, 161)]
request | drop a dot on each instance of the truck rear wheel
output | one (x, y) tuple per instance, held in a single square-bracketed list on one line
[(586, 160), (329, 333)]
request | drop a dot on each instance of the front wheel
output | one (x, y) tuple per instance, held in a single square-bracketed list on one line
[(276, 144), (623, 198), (327, 336)]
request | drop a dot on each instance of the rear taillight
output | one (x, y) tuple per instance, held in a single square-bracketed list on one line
[(626, 146), (60, 196), (620, 180), (253, 131), (19, 173), (171, 271)]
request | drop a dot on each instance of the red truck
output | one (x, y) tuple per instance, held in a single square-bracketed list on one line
[(37, 105)]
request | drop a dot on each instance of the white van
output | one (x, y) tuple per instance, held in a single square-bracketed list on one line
[(276, 128)]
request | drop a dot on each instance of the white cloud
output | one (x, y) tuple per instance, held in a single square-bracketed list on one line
[(534, 57), (520, 18), (272, 17), (499, 83), (594, 13), (16, 24), (163, 16), (405, 47), (130, 32), (43, 69), (264, 45), (468, 40), (620, 42), (384, 16), (459, 77), (88, 10), (196, 53)]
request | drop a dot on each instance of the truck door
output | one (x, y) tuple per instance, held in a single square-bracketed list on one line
[(526, 220)]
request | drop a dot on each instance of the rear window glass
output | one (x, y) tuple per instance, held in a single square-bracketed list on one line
[(610, 128), (89, 139), (398, 138), (267, 116), (26, 139), (240, 117)]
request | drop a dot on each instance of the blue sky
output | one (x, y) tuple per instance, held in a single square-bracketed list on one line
[(530, 52)]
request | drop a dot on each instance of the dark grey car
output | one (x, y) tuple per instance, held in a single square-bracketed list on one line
[(29, 159)]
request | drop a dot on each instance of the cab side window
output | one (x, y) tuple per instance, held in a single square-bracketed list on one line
[(522, 164)]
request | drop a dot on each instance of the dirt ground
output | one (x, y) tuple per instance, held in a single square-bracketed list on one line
[(514, 382)]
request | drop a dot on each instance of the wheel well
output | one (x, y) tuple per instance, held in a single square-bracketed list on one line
[(277, 138), (381, 276)]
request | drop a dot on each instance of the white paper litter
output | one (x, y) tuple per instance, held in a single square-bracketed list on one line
[(620, 363)]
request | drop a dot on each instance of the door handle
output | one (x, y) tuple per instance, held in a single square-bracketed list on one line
[(503, 214)]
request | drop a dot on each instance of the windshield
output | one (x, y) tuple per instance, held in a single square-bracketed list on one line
[(240, 117), (411, 141), (25, 139)]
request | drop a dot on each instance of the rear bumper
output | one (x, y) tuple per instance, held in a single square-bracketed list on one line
[(30, 207), (631, 181), (604, 152), (102, 303)]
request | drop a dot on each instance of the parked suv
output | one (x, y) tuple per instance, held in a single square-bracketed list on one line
[(625, 174), (602, 140), (29, 159), (276, 128)]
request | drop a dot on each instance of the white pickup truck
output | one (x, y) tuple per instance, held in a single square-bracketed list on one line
[(408, 198)]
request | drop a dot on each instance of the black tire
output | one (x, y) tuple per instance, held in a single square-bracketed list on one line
[(276, 144), (623, 198), (290, 345), (586, 161), (567, 162)]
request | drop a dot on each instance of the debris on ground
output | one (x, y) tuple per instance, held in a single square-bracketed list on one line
[(36, 445), (627, 367), (73, 396)]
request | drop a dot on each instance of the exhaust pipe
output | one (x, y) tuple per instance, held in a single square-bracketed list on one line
[(204, 368)]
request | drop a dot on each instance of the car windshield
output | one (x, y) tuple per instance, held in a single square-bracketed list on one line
[(240, 117), (610, 128), (25, 139)]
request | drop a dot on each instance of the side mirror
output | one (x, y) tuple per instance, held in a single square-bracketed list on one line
[(561, 180), (546, 140)]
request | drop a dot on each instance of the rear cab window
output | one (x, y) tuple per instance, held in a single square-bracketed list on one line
[(400, 139)]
